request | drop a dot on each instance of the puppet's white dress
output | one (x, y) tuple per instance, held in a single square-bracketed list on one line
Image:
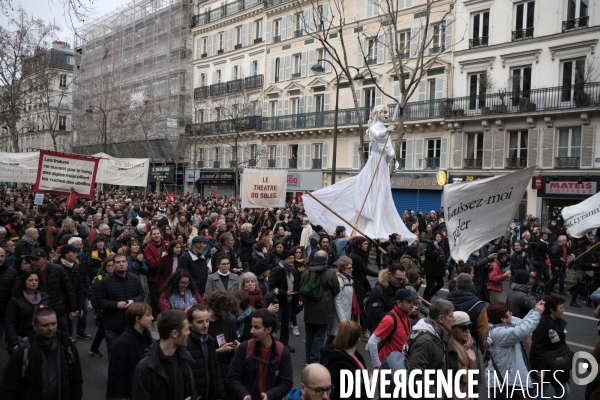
[(379, 217)]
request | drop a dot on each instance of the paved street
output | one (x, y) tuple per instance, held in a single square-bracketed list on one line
[(581, 335)]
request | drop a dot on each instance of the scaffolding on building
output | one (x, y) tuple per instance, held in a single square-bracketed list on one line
[(135, 61)]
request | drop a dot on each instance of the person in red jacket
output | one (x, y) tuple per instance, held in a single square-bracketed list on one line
[(153, 251), (392, 332), (497, 276)]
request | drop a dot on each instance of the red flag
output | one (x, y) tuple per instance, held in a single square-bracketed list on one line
[(72, 200), (171, 197)]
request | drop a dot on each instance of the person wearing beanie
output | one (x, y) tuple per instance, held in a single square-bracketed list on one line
[(520, 302), (262, 272), (286, 280), (67, 259), (360, 271)]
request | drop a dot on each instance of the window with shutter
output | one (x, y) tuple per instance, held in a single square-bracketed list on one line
[(355, 155), (487, 149), (547, 147), (307, 158), (457, 150), (532, 147), (499, 139), (408, 146), (587, 146), (444, 154), (419, 161), (325, 156)]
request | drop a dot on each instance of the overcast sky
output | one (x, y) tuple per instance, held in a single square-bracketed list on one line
[(48, 9)]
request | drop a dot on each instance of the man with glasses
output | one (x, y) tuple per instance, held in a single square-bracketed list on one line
[(315, 384), (392, 333), (381, 299)]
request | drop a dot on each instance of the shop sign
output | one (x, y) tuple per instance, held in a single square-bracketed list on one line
[(467, 178), (571, 187), (216, 176), (162, 173), (293, 180), (415, 181)]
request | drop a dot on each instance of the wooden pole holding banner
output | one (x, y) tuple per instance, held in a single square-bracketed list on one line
[(583, 254), (428, 304), (343, 219)]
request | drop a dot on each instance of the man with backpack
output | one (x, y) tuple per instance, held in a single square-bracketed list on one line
[(381, 299), (318, 288), (464, 300), (392, 332), (261, 367)]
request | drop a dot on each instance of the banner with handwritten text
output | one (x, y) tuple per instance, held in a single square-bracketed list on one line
[(264, 188), (60, 172)]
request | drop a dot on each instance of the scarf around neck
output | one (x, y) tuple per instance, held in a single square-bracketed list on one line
[(182, 303), (239, 321), (442, 332), (66, 263), (33, 298)]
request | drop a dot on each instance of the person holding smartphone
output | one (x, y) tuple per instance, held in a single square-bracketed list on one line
[(286, 279)]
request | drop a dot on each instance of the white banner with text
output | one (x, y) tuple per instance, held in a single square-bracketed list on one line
[(583, 217), (263, 188), (479, 211)]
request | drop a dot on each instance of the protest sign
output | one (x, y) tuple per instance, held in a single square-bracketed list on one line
[(19, 167), (38, 199), (61, 172), (583, 217), (264, 188), (122, 171), (479, 211)]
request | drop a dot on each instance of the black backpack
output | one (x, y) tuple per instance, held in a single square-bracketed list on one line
[(367, 306)]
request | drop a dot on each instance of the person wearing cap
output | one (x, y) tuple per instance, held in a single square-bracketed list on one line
[(360, 271), (315, 238), (392, 332), (463, 353), (68, 260), (58, 286), (286, 279), (497, 276), (118, 222), (193, 260)]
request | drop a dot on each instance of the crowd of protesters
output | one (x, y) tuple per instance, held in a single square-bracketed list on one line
[(223, 288)]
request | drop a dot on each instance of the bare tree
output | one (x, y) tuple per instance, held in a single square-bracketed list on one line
[(238, 114), (20, 57), (50, 90), (74, 11), (325, 21), (412, 62)]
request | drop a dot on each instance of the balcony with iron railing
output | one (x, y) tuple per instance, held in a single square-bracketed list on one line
[(200, 164), (229, 87), (271, 163), (220, 12), (522, 34), (400, 163), (216, 164), (242, 124), (478, 42), (232, 163), (516, 163), (201, 92), (436, 50), (293, 163), (431, 163), (567, 163), (574, 24), (533, 100), (296, 75), (520, 101), (474, 163), (277, 39), (372, 61), (298, 33), (317, 163), (271, 3)]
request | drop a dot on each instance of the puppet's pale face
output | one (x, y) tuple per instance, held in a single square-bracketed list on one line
[(383, 115)]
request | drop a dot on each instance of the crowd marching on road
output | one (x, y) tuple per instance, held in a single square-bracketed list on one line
[(197, 299)]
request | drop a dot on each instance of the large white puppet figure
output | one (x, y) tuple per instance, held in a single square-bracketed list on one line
[(379, 217)]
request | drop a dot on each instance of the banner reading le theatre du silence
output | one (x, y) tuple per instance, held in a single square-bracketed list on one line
[(264, 188), (479, 211), (59, 173)]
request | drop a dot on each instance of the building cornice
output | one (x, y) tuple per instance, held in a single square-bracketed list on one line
[(541, 39)]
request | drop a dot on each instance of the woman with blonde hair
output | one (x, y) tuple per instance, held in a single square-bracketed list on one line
[(342, 355)]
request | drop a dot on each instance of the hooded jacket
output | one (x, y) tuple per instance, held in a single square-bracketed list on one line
[(342, 303), (519, 301), (426, 350), (18, 318), (496, 277), (467, 302), (321, 311), (151, 381)]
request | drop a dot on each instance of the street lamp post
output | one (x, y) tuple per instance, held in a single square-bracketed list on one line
[(318, 68), (104, 123)]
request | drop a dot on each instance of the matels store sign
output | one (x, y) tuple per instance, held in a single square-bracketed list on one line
[(571, 187)]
